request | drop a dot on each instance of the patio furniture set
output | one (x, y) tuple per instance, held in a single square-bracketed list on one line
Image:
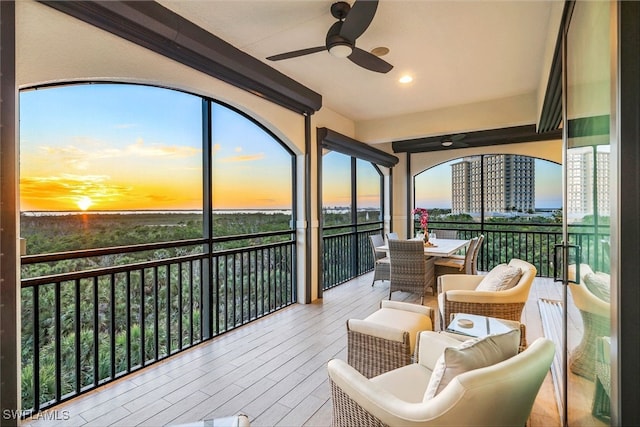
[(401, 371)]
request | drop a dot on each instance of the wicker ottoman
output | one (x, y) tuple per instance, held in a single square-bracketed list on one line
[(386, 339)]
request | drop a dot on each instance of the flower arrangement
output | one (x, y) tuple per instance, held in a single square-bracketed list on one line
[(424, 220)]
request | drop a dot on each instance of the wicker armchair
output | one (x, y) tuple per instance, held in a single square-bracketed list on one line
[(497, 395), (411, 271), (458, 295), (386, 339), (381, 267), (596, 320)]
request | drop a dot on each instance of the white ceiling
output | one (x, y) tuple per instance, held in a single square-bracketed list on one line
[(459, 52)]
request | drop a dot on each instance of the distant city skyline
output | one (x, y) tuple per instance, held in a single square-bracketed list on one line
[(433, 186)]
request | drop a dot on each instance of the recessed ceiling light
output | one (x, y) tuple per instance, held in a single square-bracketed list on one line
[(406, 79), (380, 51)]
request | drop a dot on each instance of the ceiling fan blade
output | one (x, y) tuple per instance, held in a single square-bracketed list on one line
[(369, 61), (296, 53), (458, 137), (358, 19)]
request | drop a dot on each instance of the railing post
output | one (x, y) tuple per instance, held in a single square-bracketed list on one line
[(206, 281)]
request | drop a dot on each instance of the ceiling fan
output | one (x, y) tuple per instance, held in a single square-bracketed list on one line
[(341, 37)]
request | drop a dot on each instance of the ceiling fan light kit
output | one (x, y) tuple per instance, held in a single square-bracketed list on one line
[(340, 50), (341, 37)]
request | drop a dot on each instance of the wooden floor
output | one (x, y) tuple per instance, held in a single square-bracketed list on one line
[(273, 370)]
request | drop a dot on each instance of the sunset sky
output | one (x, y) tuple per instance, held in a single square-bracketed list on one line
[(132, 147), (117, 147)]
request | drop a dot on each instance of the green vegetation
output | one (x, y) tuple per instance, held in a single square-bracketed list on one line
[(118, 316)]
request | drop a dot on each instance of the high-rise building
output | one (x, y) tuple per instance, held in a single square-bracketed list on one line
[(509, 184), (587, 186)]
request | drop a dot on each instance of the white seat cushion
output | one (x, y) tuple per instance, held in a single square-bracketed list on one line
[(409, 321), (408, 383), (452, 261)]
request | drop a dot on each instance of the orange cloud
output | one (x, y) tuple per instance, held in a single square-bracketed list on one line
[(245, 158), (158, 150)]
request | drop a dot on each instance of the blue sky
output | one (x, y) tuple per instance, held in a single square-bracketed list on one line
[(117, 146), (433, 187)]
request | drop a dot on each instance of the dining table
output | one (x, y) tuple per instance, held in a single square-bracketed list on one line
[(439, 247)]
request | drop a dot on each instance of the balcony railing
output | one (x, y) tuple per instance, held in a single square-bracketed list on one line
[(531, 242), (82, 329), (347, 253)]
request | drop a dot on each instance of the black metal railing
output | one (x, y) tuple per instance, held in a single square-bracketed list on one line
[(531, 242), (347, 252), (82, 329)]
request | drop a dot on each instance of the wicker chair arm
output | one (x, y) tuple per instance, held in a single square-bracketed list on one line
[(376, 400), (485, 297)]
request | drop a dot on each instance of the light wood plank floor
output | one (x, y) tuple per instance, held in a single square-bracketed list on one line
[(273, 370)]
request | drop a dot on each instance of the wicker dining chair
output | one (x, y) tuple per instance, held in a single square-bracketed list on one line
[(410, 270), (381, 266), (461, 264), (446, 234)]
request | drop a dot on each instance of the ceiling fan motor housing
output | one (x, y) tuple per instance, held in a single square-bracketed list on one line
[(340, 9)]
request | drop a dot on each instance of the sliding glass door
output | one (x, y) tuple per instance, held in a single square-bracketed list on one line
[(587, 201)]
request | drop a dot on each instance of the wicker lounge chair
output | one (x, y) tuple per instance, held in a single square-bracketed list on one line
[(596, 322), (502, 393), (459, 295)]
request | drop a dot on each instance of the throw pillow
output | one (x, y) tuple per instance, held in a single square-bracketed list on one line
[(500, 278), (472, 354), (599, 284)]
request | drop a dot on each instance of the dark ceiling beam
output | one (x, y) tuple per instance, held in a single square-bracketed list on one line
[(551, 113), (151, 25), (332, 140), (483, 138)]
